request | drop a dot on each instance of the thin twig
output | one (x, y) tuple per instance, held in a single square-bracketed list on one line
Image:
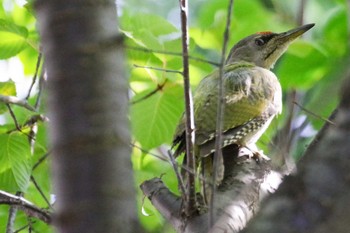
[(163, 158), (25, 227), (40, 191), (158, 88), (159, 69), (12, 114), (16, 101), (177, 173), (42, 81), (38, 62), (41, 160), (190, 196), (313, 114), (220, 113), (171, 53)]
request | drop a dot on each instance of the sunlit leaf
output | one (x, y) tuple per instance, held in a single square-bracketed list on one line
[(8, 89), (12, 39), (14, 160), (154, 119)]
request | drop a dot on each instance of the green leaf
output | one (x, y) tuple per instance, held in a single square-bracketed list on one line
[(12, 39), (154, 119), (335, 31), (139, 23), (302, 66), (14, 162), (6, 88)]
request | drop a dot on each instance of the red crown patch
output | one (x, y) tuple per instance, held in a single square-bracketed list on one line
[(264, 33)]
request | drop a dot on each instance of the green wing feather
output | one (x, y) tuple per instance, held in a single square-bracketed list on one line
[(248, 92)]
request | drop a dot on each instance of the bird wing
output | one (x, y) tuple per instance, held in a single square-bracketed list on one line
[(248, 91)]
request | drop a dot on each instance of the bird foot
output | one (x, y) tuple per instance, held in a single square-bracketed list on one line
[(257, 155)]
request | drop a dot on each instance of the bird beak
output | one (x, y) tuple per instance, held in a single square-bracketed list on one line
[(294, 33)]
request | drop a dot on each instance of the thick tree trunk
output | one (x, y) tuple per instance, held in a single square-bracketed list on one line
[(88, 102)]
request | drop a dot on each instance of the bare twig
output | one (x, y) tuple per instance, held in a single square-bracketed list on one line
[(220, 110), (171, 53), (41, 159), (38, 62), (17, 101), (12, 114), (29, 208), (40, 191), (177, 173), (159, 69), (158, 88), (164, 158), (161, 157), (42, 81), (25, 227), (190, 196), (314, 114)]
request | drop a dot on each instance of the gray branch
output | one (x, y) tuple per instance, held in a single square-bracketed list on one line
[(29, 208), (17, 101), (245, 184)]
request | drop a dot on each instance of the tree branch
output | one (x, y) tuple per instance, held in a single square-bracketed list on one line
[(17, 101), (190, 196), (29, 208), (220, 113), (245, 184)]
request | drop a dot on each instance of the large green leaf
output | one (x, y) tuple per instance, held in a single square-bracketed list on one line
[(14, 162), (335, 31), (302, 66), (154, 119), (12, 39)]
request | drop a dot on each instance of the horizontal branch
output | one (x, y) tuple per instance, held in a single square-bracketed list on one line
[(168, 204), (237, 199), (26, 206), (16, 101)]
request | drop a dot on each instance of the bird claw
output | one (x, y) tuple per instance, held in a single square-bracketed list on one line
[(257, 155)]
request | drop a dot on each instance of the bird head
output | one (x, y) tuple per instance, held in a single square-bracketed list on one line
[(264, 48)]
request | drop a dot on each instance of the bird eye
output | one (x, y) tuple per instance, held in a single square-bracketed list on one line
[(259, 42)]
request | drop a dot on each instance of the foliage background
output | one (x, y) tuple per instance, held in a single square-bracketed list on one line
[(311, 71)]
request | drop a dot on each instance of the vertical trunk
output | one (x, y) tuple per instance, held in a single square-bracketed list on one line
[(88, 107)]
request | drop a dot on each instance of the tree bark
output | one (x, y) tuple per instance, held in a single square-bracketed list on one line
[(88, 107), (237, 199)]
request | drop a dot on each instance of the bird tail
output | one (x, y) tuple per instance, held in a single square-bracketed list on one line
[(207, 173)]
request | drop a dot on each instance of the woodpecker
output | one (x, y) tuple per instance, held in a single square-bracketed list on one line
[(252, 98)]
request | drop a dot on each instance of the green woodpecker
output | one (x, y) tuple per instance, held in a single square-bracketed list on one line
[(252, 98)]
